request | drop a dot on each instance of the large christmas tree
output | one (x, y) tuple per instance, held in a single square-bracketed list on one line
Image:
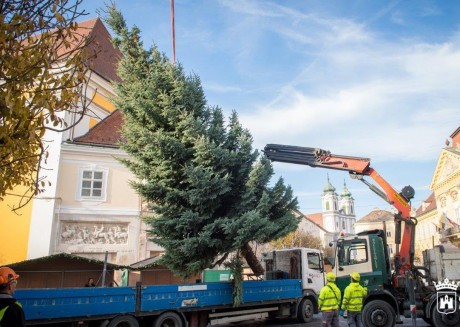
[(208, 188)]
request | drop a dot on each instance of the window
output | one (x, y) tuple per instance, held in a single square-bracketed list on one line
[(388, 234), (343, 224), (314, 261), (327, 205), (92, 184), (351, 252)]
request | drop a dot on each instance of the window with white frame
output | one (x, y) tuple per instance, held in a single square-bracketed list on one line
[(93, 183)]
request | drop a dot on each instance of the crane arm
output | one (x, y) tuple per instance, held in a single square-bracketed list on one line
[(358, 167)]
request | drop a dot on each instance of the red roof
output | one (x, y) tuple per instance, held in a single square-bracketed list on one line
[(106, 132), (103, 55), (106, 56), (427, 205), (317, 218)]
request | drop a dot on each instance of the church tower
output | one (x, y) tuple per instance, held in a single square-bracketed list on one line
[(330, 207), (346, 202), (347, 210), (338, 211)]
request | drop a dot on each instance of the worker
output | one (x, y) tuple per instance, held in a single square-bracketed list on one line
[(353, 298), (90, 283), (329, 301), (11, 312)]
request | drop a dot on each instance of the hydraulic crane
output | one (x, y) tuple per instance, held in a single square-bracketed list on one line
[(359, 167), (391, 292)]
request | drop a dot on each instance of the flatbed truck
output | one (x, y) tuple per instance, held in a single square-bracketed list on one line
[(290, 288)]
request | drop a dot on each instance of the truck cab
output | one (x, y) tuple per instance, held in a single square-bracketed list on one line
[(296, 263), (367, 254)]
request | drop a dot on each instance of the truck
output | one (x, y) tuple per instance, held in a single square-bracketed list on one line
[(289, 288), (442, 262), (395, 287)]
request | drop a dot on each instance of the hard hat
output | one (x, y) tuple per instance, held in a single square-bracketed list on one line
[(330, 277), (7, 275), (355, 276)]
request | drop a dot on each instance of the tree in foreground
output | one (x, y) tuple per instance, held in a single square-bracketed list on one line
[(42, 75), (207, 186)]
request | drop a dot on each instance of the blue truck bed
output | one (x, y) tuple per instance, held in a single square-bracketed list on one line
[(46, 304)]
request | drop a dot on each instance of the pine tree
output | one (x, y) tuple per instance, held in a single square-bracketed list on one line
[(207, 186)]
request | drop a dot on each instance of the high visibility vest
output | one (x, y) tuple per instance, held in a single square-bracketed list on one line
[(2, 312), (329, 297), (353, 297)]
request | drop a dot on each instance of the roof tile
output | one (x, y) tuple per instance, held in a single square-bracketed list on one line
[(106, 132)]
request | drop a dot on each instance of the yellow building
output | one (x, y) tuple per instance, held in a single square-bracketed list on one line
[(439, 215), (29, 230)]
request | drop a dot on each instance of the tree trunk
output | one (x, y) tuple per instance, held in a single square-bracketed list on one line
[(251, 259)]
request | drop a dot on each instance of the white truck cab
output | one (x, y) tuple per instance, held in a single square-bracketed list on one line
[(296, 263)]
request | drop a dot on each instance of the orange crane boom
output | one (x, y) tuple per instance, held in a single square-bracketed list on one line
[(359, 167)]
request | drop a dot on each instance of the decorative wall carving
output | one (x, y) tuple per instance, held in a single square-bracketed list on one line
[(90, 233)]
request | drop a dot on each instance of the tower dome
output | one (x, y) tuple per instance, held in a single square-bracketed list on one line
[(328, 187), (345, 192)]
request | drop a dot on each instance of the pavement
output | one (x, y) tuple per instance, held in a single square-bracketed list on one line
[(315, 323)]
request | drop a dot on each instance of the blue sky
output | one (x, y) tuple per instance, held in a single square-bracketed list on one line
[(368, 78)]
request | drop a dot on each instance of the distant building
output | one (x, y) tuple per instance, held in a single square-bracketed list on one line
[(426, 230), (310, 226), (379, 219), (439, 215), (337, 216)]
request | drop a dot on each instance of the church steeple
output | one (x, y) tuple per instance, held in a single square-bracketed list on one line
[(328, 187), (345, 192), (346, 201), (338, 211), (329, 197)]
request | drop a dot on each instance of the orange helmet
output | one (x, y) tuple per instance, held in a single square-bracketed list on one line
[(6, 275)]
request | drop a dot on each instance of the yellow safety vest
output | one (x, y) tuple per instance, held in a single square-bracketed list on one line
[(2, 312), (353, 297), (329, 297)]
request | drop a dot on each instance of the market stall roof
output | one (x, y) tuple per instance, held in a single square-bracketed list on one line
[(146, 263), (62, 260)]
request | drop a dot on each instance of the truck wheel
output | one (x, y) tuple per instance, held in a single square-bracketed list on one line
[(444, 320), (168, 319), (305, 311), (427, 320), (123, 321), (378, 313)]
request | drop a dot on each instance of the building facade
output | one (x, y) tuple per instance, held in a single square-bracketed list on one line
[(439, 215), (89, 208)]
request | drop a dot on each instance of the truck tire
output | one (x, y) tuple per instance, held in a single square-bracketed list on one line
[(444, 320), (123, 321), (168, 319), (378, 313), (427, 320), (305, 311)]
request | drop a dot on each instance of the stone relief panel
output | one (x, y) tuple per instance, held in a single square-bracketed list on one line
[(94, 233)]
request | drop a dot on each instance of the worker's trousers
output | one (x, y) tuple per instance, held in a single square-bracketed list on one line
[(330, 318), (354, 319)]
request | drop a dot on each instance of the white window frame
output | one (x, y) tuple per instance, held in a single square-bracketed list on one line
[(93, 169)]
